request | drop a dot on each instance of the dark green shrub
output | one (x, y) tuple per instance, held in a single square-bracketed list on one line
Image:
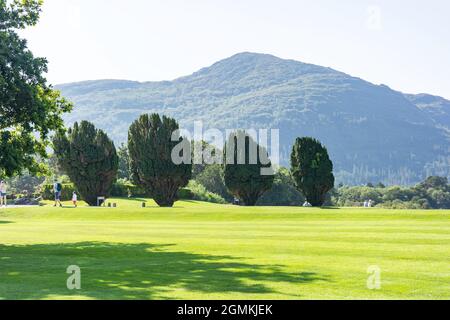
[(243, 177), (185, 194), (150, 147), (312, 170), (283, 192), (127, 190), (89, 158), (199, 192), (212, 179), (195, 191)]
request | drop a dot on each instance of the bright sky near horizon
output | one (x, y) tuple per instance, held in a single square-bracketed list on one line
[(403, 44)]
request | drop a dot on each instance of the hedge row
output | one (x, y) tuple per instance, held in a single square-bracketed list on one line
[(124, 190), (119, 190), (47, 192)]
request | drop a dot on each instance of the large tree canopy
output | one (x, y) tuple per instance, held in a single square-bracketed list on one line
[(151, 142), (312, 170), (245, 177), (89, 158), (29, 108)]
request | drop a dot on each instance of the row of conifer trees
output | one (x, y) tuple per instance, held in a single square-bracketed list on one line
[(88, 156)]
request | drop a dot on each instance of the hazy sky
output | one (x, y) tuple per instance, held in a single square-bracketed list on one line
[(404, 44)]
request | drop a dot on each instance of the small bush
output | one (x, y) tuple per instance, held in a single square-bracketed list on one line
[(185, 194), (196, 191), (283, 192), (212, 179), (124, 189)]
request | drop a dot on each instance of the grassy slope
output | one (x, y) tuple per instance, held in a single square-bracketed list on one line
[(205, 251)]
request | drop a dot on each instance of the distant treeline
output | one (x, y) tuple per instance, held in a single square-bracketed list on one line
[(403, 176), (433, 193), (207, 185)]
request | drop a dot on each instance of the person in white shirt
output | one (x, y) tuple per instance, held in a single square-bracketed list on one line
[(74, 199), (3, 189)]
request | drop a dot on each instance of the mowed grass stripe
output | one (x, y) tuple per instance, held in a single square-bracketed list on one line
[(205, 251), (356, 235)]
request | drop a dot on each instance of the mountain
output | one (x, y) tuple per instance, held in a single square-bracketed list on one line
[(436, 107), (373, 133)]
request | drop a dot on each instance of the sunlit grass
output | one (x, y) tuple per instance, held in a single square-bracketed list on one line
[(206, 251)]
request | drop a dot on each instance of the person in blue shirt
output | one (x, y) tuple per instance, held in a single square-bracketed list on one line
[(57, 189)]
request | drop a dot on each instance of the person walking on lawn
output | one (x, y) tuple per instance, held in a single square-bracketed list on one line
[(74, 199), (57, 189), (3, 190)]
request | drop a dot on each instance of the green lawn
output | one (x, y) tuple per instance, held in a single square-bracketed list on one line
[(206, 251)]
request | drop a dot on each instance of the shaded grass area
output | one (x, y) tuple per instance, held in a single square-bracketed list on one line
[(206, 251), (132, 271)]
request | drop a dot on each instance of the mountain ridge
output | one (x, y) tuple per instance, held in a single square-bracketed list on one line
[(374, 133)]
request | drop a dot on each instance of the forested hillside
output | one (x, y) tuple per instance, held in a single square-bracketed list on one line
[(373, 133)]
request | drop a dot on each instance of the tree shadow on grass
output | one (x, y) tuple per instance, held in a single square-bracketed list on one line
[(132, 271), (5, 222)]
